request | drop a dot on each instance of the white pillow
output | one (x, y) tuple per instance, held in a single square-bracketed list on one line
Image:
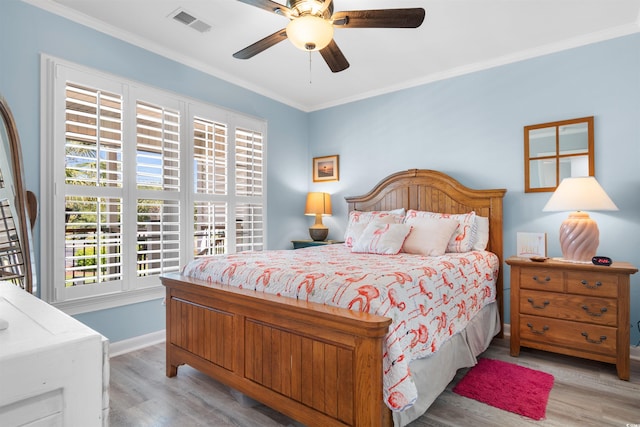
[(429, 236), (358, 220), (462, 239), (399, 211), (383, 239), (482, 233)]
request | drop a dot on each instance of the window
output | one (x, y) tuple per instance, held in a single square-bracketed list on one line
[(128, 171)]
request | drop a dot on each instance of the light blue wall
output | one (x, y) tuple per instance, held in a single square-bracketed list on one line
[(471, 127), (26, 32)]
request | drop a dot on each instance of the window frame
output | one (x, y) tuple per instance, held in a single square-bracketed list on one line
[(131, 289)]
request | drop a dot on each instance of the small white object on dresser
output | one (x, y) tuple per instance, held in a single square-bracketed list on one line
[(54, 370)]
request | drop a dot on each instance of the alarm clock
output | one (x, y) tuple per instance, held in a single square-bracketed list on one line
[(601, 260)]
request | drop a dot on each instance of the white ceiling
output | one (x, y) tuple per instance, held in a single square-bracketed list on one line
[(457, 37)]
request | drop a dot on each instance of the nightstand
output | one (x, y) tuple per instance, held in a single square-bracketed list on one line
[(574, 309), (298, 244)]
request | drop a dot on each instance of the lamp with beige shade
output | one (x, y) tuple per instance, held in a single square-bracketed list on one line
[(579, 234), (318, 204)]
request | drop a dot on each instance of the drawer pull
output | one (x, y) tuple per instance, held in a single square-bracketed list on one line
[(589, 340), (603, 310), (545, 328), (540, 307), (546, 279), (586, 284)]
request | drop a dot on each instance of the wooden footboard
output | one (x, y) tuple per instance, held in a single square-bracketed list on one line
[(318, 364)]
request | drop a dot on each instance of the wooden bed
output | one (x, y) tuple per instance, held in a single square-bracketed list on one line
[(253, 341)]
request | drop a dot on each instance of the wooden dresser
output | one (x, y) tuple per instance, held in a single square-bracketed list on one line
[(575, 309)]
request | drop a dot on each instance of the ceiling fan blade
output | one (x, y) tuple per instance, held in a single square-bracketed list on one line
[(384, 18), (261, 45), (325, 6), (270, 6), (334, 57)]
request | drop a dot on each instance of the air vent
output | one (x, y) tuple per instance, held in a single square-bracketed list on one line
[(184, 17), (189, 20)]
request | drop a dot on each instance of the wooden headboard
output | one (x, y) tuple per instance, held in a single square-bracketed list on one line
[(433, 191)]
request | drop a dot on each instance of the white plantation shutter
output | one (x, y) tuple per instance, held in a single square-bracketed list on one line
[(158, 148), (93, 240), (210, 219), (210, 157), (93, 133), (210, 228), (249, 227), (157, 174), (221, 212), (249, 189), (249, 165), (93, 177), (119, 200), (158, 241)]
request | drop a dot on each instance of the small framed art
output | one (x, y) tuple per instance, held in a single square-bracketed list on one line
[(325, 169), (531, 244)]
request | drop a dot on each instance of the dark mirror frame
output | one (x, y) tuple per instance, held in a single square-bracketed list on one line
[(558, 155), (22, 200)]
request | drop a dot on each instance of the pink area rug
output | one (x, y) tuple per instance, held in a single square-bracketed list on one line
[(507, 386)]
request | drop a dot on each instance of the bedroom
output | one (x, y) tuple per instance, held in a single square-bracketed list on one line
[(471, 126)]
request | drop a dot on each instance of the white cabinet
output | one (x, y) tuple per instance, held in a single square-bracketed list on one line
[(54, 371)]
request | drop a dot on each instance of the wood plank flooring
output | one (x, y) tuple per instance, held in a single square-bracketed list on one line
[(585, 393)]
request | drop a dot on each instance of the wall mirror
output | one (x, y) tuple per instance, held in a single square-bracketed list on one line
[(15, 227), (557, 150)]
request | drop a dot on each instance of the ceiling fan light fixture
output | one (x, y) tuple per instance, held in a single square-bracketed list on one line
[(310, 32)]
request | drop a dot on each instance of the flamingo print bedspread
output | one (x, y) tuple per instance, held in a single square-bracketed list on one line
[(429, 299)]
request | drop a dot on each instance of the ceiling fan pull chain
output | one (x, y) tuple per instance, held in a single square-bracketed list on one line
[(309, 67)]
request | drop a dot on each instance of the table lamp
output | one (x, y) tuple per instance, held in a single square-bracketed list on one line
[(579, 235), (318, 204)]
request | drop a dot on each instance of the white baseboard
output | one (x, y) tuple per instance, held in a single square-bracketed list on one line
[(125, 346), (634, 352)]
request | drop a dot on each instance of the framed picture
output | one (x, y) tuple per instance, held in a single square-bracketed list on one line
[(531, 244), (325, 168)]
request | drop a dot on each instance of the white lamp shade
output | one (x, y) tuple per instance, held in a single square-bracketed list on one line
[(579, 194), (310, 32)]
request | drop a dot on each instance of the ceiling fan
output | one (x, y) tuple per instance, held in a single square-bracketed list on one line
[(311, 24)]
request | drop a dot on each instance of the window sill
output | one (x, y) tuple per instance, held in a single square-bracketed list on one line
[(103, 302)]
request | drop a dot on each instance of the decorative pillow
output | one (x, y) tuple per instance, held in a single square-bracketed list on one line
[(429, 236), (383, 239), (358, 220), (462, 239), (482, 233)]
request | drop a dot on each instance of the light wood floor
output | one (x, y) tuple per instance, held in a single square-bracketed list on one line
[(585, 393)]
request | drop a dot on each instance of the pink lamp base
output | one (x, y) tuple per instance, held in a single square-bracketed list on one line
[(579, 238)]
